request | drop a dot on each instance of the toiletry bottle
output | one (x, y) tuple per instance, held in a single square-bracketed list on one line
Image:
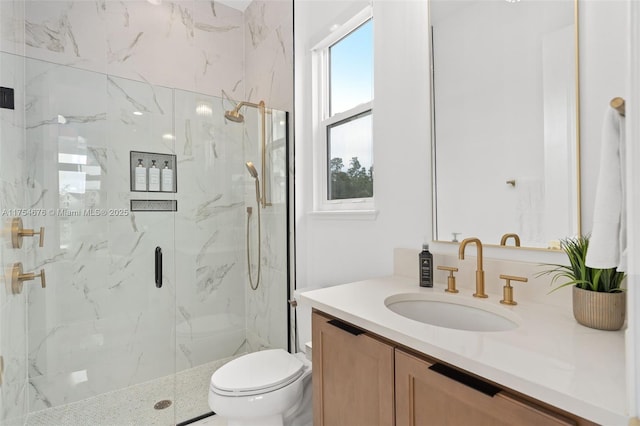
[(426, 267), (167, 178), (154, 177), (140, 177)]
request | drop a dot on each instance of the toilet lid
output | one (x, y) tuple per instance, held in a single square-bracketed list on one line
[(261, 371)]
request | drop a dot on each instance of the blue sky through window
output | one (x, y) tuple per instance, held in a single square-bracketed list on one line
[(352, 69)]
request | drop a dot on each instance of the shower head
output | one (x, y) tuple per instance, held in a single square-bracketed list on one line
[(252, 169), (234, 115)]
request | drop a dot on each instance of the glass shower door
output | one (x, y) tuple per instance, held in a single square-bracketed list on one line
[(101, 334), (210, 298)]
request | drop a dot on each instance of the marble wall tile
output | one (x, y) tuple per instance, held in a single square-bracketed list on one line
[(269, 53), (13, 405), (209, 229), (66, 113), (275, 245), (12, 26), (149, 42), (134, 39), (12, 144), (140, 117), (266, 307), (218, 39), (67, 32), (267, 310), (209, 146), (210, 294), (268, 27), (13, 325), (116, 352)]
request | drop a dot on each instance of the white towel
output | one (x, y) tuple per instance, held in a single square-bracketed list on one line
[(607, 247)]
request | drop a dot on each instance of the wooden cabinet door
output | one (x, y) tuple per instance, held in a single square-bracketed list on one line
[(426, 397), (352, 376)]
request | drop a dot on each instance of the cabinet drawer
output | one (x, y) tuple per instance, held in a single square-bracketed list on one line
[(353, 383), (428, 396)]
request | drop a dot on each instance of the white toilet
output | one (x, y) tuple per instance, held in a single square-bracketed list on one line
[(265, 388)]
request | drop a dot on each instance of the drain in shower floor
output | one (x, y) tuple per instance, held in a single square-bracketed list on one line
[(161, 405)]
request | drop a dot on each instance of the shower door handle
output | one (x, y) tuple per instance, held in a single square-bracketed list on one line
[(158, 267)]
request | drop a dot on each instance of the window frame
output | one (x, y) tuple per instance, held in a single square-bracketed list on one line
[(322, 121)]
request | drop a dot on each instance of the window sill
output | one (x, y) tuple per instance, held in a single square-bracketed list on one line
[(345, 215)]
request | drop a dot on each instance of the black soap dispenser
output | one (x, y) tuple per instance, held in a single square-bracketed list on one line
[(426, 266)]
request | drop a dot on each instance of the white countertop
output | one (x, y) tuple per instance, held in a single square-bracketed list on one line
[(549, 357)]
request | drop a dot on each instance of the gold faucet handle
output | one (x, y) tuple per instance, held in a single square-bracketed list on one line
[(18, 232), (43, 280), (31, 233), (507, 290), (451, 280), (32, 276), (17, 278)]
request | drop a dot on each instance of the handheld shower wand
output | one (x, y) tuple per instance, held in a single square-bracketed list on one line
[(254, 174), (252, 169)]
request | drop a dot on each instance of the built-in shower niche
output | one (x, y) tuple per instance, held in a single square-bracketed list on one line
[(142, 164)]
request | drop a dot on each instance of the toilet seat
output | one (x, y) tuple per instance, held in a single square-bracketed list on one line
[(257, 373)]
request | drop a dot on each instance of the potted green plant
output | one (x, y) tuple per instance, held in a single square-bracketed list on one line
[(599, 300)]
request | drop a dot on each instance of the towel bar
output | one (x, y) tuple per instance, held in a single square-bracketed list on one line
[(618, 105)]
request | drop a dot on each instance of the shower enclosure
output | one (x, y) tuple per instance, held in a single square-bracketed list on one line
[(101, 340)]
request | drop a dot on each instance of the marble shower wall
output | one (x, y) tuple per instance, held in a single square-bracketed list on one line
[(141, 41), (13, 314), (209, 232), (90, 65), (268, 44)]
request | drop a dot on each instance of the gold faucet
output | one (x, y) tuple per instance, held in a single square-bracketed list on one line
[(479, 272), (505, 237)]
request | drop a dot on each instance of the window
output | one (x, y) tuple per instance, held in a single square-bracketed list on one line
[(350, 140), (344, 137)]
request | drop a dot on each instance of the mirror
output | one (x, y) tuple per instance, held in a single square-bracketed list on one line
[(505, 118)]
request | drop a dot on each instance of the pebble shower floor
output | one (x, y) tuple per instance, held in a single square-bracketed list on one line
[(134, 406)]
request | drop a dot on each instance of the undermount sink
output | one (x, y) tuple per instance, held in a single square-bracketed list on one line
[(446, 311)]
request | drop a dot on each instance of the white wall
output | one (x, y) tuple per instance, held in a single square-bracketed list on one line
[(604, 63), (333, 251)]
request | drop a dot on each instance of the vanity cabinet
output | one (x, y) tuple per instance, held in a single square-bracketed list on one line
[(362, 379), (434, 394), (352, 376)]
